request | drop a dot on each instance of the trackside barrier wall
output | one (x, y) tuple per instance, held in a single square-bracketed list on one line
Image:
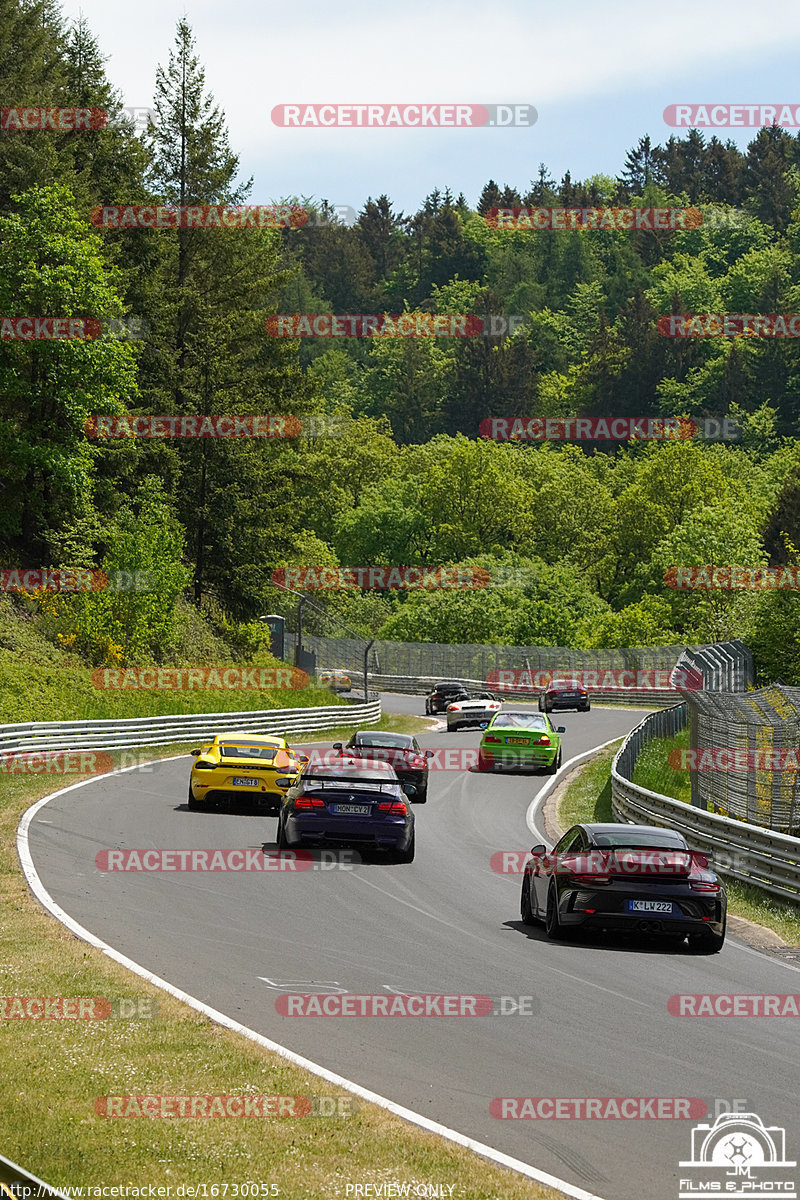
[(746, 852), (161, 731)]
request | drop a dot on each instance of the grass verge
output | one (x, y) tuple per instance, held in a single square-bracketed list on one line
[(588, 798), (54, 1070)]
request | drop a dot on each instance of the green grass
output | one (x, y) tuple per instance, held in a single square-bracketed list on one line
[(653, 770), (588, 798)]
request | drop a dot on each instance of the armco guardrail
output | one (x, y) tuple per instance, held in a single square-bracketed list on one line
[(421, 685), (162, 731), (743, 851)]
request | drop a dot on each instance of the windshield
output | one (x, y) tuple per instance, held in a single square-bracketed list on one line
[(396, 741)]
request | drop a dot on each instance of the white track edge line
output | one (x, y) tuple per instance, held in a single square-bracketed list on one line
[(406, 1114), (539, 799)]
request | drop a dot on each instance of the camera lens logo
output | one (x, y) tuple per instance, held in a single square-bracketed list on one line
[(738, 1156)]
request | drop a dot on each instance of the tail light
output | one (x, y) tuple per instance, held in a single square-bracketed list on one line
[(705, 885), (395, 806), (452, 708), (203, 766), (417, 762), (590, 880), (491, 739), (543, 741), (308, 802)]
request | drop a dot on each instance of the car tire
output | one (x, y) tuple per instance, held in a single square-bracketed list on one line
[(192, 804), (586, 708), (406, 856), (420, 798), (283, 843), (708, 942), (525, 906), (556, 763), (553, 926)]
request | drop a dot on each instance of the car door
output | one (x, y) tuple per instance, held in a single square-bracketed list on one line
[(545, 866)]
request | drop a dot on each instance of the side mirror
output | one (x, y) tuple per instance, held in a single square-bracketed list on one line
[(409, 789), (429, 753), (540, 849), (195, 753), (561, 729), (337, 745)]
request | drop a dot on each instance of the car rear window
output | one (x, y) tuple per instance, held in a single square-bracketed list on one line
[(631, 841), (520, 721), (242, 750), (385, 741)]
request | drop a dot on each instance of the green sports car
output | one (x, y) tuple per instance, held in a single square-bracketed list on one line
[(514, 740)]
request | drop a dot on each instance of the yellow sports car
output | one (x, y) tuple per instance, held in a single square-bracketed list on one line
[(338, 681), (239, 765)]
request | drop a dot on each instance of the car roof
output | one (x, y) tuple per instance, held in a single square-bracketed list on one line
[(399, 738)]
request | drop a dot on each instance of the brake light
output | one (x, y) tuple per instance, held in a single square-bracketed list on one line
[(417, 761), (543, 741), (452, 707), (491, 739), (309, 802), (393, 806), (204, 766), (705, 885)]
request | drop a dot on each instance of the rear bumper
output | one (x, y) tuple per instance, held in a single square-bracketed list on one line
[(691, 913), (348, 831), (269, 799), (528, 759), (555, 703)]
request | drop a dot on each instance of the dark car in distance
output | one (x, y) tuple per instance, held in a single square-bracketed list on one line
[(444, 693), (564, 693), (401, 750), (631, 878), (348, 805)]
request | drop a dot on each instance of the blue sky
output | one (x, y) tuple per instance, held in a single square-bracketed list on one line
[(599, 75)]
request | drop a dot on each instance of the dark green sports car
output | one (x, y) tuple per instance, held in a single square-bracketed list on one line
[(514, 740)]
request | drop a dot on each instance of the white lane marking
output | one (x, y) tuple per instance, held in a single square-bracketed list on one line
[(533, 813), (407, 1114)]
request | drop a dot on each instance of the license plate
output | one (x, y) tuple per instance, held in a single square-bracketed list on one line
[(245, 782), (352, 808), (650, 906), (516, 741)]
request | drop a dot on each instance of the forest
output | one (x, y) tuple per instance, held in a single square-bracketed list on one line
[(389, 462)]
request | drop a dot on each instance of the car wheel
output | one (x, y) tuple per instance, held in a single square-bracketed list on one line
[(420, 798), (708, 942), (586, 708), (406, 856), (555, 764), (553, 926), (193, 804), (525, 907), (283, 843)]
